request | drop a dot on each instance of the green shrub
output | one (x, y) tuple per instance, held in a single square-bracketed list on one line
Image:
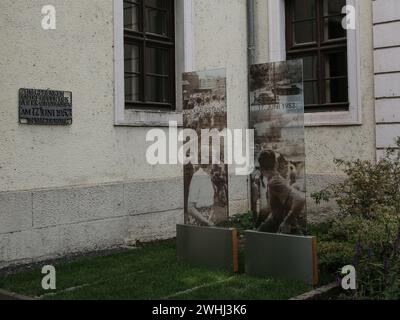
[(368, 188), (377, 258), (334, 255), (372, 246), (366, 229)]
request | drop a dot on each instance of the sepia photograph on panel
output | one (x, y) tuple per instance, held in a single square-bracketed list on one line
[(277, 115)]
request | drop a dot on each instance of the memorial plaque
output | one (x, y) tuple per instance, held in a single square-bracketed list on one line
[(45, 107)]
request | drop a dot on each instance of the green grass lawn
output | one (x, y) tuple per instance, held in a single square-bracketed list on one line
[(151, 272)]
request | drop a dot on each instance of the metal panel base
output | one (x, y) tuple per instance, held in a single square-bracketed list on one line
[(214, 248), (281, 256)]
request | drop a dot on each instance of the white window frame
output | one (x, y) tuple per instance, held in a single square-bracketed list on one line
[(277, 52), (184, 30)]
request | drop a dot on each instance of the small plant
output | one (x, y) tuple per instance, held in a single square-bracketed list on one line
[(378, 269), (241, 222)]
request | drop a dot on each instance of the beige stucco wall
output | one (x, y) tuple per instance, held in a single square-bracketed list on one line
[(76, 57)]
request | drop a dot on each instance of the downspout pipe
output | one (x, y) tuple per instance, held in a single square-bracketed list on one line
[(251, 37), (251, 59)]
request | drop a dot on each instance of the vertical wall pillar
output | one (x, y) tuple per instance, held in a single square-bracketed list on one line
[(386, 18)]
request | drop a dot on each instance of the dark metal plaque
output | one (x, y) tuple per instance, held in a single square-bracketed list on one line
[(45, 107)]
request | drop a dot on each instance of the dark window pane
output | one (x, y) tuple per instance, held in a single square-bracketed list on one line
[(132, 88), (131, 16), (157, 3), (132, 58), (310, 92), (157, 89), (336, 64), (310, 24), (336, 90), (157, 59), (148, 62), (333, 28), (333, 6), (156, 21), (304, 9), (310, 68), (304, 32)]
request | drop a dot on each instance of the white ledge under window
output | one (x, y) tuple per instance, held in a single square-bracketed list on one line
[(184, 63), (277, 52), (148, 118)]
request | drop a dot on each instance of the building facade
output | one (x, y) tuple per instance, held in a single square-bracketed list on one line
[(87, 186)]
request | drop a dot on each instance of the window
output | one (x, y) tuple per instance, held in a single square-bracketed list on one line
[(315, 34), (149, 54)]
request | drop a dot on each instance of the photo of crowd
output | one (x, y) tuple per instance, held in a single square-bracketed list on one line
[(205, 185)]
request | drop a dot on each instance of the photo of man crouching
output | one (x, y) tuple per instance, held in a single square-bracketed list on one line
[(286, 207)]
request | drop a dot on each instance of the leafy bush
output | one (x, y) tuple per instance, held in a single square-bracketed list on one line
[(241, 222), (369, 186), (366, 229), (378, 269), (334, 255)]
